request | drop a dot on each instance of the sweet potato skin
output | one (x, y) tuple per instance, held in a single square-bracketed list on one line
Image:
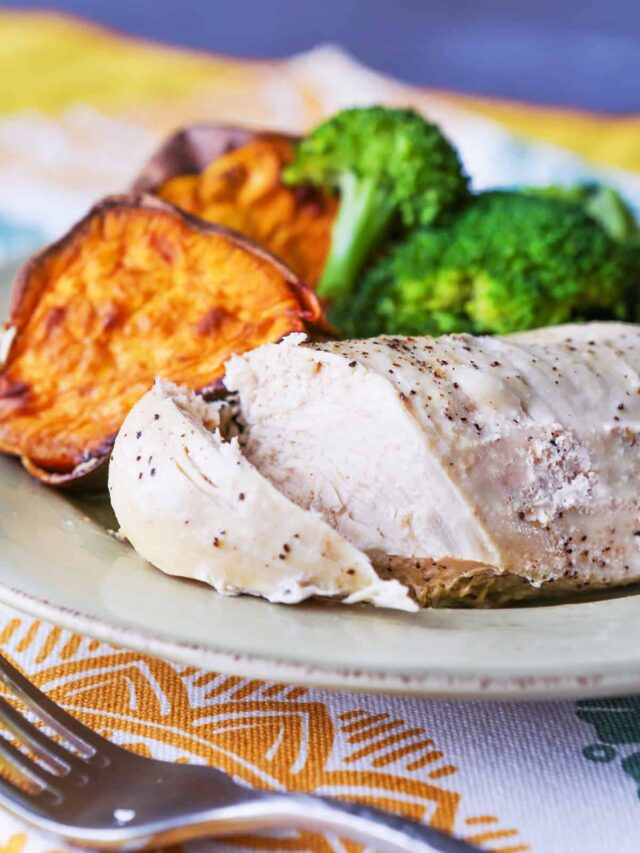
[(137, 289), (232, 176), (189, 151)]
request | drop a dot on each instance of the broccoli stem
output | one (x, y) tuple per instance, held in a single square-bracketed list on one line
[(363, 217)]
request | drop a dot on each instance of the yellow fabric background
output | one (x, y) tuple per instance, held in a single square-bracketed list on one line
[(86, 63)]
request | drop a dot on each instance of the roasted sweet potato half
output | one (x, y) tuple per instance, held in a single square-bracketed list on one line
[(137, 289), (232, 176)]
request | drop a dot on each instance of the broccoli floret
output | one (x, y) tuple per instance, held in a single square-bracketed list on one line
[(510, 261), (407, 292), (602, 203), (391, 168)]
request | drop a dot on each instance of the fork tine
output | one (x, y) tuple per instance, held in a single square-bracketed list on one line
[(13, 797), (74, 732), (14, 760), (55, 756)]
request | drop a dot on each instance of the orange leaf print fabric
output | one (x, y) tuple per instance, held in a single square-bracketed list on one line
[(272, 736)]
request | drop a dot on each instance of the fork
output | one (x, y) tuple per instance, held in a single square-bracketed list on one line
[(96, 794)]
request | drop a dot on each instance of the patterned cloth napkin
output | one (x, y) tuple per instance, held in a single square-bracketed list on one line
[(83, 111)]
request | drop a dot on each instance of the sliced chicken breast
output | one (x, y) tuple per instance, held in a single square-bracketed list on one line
[(192, 504), (475, 469)]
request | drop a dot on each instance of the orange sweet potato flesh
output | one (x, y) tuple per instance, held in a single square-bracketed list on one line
[(137, 289), (242, 189)]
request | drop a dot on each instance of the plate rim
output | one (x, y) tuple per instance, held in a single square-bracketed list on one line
[(426, 685)]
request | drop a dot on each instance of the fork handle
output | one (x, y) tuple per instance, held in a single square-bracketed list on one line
[(385, 831)]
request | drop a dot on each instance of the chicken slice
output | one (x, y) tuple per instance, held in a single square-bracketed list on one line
[(469, 467), (190, 503)]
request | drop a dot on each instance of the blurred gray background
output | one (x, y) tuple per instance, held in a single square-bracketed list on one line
[(567, 52)]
